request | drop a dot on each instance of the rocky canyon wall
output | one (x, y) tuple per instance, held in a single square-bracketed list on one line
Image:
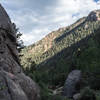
[(14, 84)]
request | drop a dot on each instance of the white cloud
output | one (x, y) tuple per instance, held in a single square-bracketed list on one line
[(67, 8), (35, 23), (34, 35)]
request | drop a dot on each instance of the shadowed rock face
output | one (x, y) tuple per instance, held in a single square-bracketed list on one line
[(14, 84), (94, 16)]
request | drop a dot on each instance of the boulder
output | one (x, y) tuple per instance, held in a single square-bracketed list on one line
[(72, 83), (76, 96), (14, 84)]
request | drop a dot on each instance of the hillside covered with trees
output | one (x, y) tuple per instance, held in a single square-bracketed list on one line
[(50, 60)]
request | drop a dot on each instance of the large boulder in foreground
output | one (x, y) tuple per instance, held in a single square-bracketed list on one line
[(14, 84), (72, 83)]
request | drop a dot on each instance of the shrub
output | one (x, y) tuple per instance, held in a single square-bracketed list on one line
[(87, 94), (98, 95)]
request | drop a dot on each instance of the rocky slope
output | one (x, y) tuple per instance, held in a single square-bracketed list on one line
[(14, 84)]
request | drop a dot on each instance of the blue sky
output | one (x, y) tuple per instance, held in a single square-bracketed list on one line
[(96, 0), (36, 18)]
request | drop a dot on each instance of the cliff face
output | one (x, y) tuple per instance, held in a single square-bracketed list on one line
[(14, 84)]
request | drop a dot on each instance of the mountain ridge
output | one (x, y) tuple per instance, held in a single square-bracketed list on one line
[(62, 38), (77, 48)]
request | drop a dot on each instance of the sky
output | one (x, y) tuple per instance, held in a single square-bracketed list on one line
[(36, 18)]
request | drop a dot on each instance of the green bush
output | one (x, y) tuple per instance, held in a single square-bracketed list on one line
[(87, 94), (58, 97), (97, 95)]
